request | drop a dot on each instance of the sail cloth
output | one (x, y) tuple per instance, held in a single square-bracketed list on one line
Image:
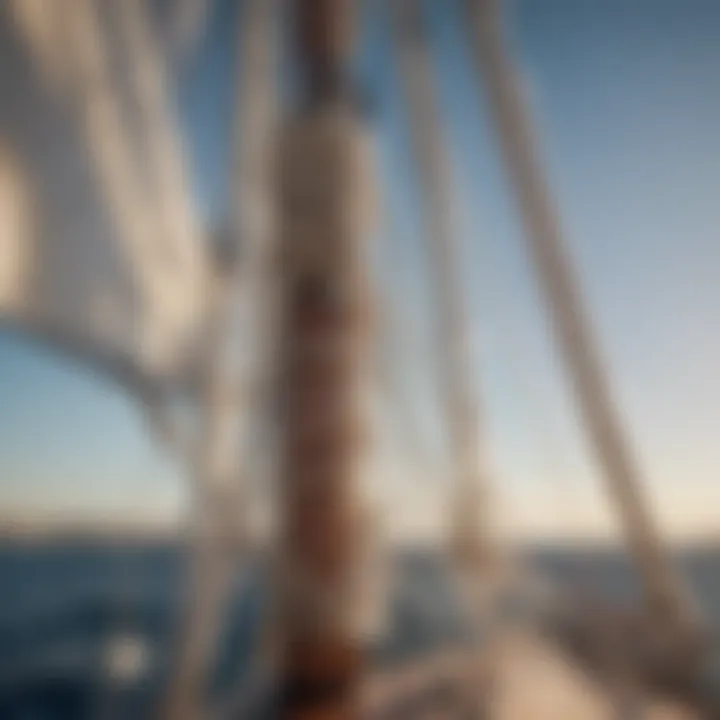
[(100, 250)]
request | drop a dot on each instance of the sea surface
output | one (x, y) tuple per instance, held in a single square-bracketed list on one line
[(89, 630)]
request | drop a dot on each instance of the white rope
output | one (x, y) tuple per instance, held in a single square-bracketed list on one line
[(223, 463), (451, 323), (563, 297)]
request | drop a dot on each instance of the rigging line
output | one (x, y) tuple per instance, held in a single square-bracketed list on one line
[(255, 120), (436, 175), (504, 333), (254, 217), (546, 246), (474, 549), (499, 315), (450, 324), (396, 338), (254, 226)]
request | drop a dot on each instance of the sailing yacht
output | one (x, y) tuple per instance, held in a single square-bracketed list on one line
[(127, 283)]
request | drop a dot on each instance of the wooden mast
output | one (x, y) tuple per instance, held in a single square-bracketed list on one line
[(546, 246), (324, 328)]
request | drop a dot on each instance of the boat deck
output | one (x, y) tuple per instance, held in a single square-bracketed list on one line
[(532, 681)]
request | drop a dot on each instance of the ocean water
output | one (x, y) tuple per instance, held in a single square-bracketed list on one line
[(63, 607)]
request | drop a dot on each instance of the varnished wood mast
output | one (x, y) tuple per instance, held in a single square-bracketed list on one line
[(323, 280)]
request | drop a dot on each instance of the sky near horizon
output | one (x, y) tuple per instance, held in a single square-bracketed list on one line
[(626, 102)]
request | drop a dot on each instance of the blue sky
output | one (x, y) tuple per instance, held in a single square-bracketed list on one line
[(626, 102)]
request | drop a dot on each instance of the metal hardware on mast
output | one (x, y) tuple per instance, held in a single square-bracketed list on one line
[(546, 247), (324, 321)]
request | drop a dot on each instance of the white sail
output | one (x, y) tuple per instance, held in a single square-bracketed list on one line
[(83, 255)]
